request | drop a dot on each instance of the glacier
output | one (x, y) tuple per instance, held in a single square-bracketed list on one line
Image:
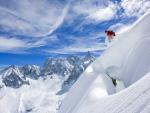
[(127, 61)]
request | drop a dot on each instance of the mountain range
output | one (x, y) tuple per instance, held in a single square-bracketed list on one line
[(68, 68)]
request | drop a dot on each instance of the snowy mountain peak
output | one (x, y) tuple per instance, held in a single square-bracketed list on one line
[(12, 77), (11, 70), (57, 66), (31, 71), (89, 58), (73, 59)]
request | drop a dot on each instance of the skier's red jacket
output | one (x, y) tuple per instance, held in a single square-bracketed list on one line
[(110, 33)]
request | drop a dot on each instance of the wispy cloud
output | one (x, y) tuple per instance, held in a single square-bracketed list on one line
[(135, 7), (10, 43), (81, 44), (32, 17), (18, 45), (59, 21), (104, 13), (36, 20), (95, 10)]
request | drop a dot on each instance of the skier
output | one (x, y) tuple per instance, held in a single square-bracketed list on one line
[(110, 35)]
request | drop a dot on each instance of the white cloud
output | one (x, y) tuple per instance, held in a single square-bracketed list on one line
[(104, 14), (135, 7), (10, 43), (10, 23), (36, 19), (42, 41), (95, 10), (32, 17), (18, 45), (60, 20)]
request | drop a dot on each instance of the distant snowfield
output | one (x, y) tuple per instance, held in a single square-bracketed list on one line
[(127, 60), (38, 97)]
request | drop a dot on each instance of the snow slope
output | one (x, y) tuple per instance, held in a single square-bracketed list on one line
[(38, 97), (126, 60), (134, 99)]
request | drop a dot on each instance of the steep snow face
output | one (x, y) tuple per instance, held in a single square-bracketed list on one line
[(126, 60), (134, 99), (127, 56)]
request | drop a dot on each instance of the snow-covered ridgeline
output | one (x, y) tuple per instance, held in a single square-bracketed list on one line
[(68, 68)]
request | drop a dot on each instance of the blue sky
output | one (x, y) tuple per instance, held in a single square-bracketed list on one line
[(33, 30)]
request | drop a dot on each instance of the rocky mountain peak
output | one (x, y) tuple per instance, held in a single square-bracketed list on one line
[(68, 68)]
